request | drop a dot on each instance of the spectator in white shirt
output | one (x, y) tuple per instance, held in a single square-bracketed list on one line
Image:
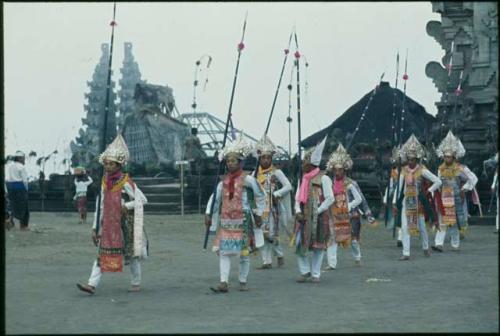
[(16, 180)]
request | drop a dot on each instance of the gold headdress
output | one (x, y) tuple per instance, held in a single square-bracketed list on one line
[(116, 151), (339, 159), (451, 145), (238, 147), (265, 146), (412, 148)]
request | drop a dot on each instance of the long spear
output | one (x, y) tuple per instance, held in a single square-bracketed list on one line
[(458, 92), (299, 136), (241, 46), (106, 112), (400, 138), (287, 51), (393, 141)]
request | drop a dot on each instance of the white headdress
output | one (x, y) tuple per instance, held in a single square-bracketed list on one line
[(339, 159), (313, 155), (264, 146), (451, 145), (412, 148), (239, 147), (116, 151), (19, 154)]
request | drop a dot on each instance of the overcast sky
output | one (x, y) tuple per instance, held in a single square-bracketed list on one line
[(51, 50)]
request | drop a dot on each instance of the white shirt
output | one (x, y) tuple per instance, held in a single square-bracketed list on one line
[(249, 182), (357, 197), (471, 179), (436, 182), (127, 188), (81, 186), (286, 186), (16, 172), (326, 185)]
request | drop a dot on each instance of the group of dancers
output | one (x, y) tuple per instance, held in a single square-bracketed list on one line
[(252, 212)]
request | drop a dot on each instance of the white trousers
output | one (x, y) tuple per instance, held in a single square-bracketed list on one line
[(400, 234), (454, 235), (135, 269), (406, 234), (267, 251), (225, 268), (331, 253), (314, 267)]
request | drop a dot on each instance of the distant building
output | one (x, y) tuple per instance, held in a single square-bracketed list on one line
[(86, 146), (152, 135), (472, 28), (131, 76)]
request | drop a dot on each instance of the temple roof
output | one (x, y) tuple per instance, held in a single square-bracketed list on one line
[(378, 119)]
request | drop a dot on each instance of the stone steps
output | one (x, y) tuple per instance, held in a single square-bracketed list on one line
[(146, 181), (172, 188), (163, 194), (172, 208)]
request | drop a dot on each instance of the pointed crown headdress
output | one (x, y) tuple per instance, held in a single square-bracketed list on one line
[(339, 159), (313, 155), (116, 151), (239, 147), (412, 148), (265, 146), (451, 145)]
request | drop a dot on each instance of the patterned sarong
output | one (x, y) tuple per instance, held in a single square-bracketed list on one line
[(81, 204), (411, 206), (341, 222), (232, 236), (111, 247), (449, 216), (314, 232), (271, 213)]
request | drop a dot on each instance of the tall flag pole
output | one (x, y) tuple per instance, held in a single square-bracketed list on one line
[(289, 118), (287, 51), (394, 138), (297, 64), (195, 82), (106, 113), (240, 48)]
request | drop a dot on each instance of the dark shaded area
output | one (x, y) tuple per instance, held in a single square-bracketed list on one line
[(378, 120)]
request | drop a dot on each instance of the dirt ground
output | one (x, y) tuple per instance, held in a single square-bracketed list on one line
[(448, 292)]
